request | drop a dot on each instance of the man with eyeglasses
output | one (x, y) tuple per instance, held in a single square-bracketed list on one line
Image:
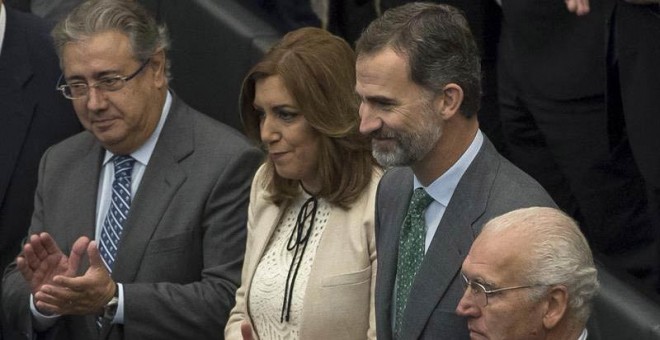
[(139, 223), (529, 275)]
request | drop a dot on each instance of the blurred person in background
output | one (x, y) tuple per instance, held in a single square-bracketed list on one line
[(33, 117), (554, 110)]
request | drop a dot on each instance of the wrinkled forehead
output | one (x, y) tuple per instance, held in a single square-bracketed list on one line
[(110, 49), (498, 256)]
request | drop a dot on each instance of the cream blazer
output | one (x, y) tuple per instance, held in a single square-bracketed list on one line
[(339, 297)]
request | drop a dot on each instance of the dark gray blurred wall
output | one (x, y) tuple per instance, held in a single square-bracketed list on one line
[(214, 43)]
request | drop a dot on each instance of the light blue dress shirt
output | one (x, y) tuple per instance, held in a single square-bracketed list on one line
[(443, 188)]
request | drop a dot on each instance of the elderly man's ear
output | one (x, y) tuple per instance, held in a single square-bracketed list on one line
[(158, 61), (557, 305)]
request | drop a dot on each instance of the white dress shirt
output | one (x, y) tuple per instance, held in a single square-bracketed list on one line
[(3, 25), (583, 336)]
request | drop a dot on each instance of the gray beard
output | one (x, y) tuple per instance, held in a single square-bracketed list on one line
[(409, 148)]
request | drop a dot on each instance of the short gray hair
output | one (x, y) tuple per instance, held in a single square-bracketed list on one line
[(560, 254), (438, 44), (125, 16)]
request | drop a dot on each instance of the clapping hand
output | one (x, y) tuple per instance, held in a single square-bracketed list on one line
[(42, 260), (82, 295), (53, 281)]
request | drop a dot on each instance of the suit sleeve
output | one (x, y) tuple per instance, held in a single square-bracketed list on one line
[(15, 290)]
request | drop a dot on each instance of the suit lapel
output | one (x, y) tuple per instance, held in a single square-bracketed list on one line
[(394, 192), (160, 182), (15, 114), (83, 197), (272, 214), (451, 242)]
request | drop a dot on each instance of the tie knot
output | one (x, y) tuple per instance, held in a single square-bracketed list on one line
[(123, 166), (420, 200)]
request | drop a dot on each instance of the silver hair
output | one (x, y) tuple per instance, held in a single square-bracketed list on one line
[(126, 16), (560, 255)]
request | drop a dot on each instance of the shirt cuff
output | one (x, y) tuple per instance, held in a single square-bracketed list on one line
[(119, 316), (42, 322)]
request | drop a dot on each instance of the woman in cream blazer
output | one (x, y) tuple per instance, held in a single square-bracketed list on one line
[(339, 297), (310, 261)]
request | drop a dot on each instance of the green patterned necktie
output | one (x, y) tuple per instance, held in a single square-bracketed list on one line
[(411, 251)]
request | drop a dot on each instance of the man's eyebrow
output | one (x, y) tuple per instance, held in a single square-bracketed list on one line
[(97, 75), (380, 99), (482, 281)]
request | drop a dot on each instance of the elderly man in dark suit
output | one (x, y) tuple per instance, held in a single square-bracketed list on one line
[(418, 77), (161, 190)]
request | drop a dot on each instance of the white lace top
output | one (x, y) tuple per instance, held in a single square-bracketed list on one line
[(267, 289)]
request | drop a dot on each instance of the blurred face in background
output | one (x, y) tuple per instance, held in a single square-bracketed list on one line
[(291, 142)]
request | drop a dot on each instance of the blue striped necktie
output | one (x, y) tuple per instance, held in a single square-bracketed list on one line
[(118, 212)]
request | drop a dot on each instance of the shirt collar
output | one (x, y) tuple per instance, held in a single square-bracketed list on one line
[(443, 187), (584, 334), (143, 153), (3, 25)]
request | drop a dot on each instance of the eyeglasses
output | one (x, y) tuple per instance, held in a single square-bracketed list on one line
[(79, 90), (480, 293)]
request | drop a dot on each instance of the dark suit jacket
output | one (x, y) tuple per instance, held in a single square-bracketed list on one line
[(636, 47), (33, 116), (550, 52), (181, 251), (490, 187)]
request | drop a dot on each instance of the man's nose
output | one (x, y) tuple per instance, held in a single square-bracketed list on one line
[(369, 120), (96, 99), (466, 306)]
